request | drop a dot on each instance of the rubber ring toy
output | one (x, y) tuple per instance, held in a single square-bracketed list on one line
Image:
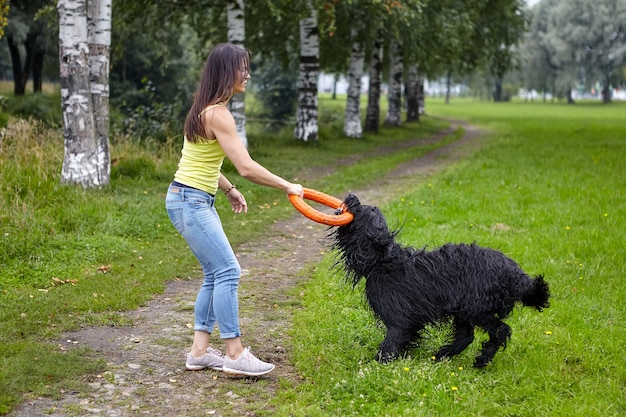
[(342, 218)]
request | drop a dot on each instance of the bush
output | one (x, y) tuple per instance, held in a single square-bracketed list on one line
[(277, 92), (43, 107), (133, 167), (144, 116)]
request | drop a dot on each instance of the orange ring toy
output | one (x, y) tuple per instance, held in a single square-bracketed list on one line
[(329, 201)]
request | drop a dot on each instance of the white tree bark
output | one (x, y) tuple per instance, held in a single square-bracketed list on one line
[(237, 35), (352, 122), (448, 86), (421, 95), (396, 67), (80, 163), (99, 39), (412, 94), (306, 128), (372, 115)]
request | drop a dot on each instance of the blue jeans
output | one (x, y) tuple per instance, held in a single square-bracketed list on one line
[(193, 214)]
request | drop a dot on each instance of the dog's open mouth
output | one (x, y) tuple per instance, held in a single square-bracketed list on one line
[(340, 210)]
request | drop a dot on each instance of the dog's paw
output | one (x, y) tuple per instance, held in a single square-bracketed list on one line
[(442, 354), (385, 357), (481, 362)]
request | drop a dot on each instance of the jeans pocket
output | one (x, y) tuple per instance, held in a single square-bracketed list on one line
[(173, 197), (176, 217)]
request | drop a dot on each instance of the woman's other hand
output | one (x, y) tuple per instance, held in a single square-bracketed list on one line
[(237, 201)]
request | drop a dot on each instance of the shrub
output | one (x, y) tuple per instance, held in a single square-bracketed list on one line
[(133, 167), (43, 107)]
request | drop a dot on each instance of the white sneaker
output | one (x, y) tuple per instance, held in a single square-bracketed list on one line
[(246, 364), (213, 359)]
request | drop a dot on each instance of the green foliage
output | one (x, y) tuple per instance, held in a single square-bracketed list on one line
[(546, 189), (4, 118), (276, 91), (44, 107), (575, 44), (4, 11), (133, 167), (154, 73)]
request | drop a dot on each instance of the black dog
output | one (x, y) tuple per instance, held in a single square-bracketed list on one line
[(409, 288)]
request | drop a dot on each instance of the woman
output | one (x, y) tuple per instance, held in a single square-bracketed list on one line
[(210, 136)]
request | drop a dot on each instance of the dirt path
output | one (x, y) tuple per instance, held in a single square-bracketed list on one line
[(145, 362)]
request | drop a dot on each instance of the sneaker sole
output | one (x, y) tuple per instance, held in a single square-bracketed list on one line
[(245, 373), (200, 367)]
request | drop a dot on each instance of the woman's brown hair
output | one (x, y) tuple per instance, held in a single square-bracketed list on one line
[(223, 68)]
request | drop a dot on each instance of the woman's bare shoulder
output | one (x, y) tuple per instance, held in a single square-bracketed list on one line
[(219, 120)]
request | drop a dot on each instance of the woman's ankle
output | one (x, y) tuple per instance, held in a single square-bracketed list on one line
[(234, 348)]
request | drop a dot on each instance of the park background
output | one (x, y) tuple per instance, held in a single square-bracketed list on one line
[(547, 188)]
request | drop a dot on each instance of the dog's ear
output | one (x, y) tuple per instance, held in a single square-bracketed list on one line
[(377, 229), (352, 203)]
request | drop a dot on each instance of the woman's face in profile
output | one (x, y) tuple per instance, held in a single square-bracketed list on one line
[(242, 80)]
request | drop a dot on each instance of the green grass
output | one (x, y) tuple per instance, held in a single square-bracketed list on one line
[(73, 257), (548, 190)]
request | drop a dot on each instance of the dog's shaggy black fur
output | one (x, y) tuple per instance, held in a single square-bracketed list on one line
[(408, 288)]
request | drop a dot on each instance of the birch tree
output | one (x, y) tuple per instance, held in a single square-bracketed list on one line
[(396, 70), (307, 128), (421, 95), (352, 122), (99, 38), (372, 115), (412, 94), (84, 160), (236, 34)]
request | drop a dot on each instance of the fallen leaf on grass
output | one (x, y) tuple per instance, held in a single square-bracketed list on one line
[(56, 281)]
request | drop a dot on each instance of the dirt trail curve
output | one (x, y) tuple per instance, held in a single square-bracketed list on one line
[(145, 362)]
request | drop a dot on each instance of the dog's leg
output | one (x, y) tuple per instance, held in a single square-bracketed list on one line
[(499, 334), (395, 341), (463, 336)]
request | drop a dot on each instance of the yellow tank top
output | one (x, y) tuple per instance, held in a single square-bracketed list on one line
[(200, 165)]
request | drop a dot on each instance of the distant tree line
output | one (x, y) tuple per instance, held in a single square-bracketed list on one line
[(575, 45)]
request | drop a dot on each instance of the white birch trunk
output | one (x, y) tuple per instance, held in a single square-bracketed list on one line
[(99, 39), (396, 67), (421, 95), (448, 86), (306, 128), (237, 35), (80, 162), (372, 115), (352, 122), (412, 92)]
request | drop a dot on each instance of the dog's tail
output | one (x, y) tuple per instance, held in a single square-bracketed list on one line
[(537, 294)]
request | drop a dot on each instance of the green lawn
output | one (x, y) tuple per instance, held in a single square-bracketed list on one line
[(548, 189)]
